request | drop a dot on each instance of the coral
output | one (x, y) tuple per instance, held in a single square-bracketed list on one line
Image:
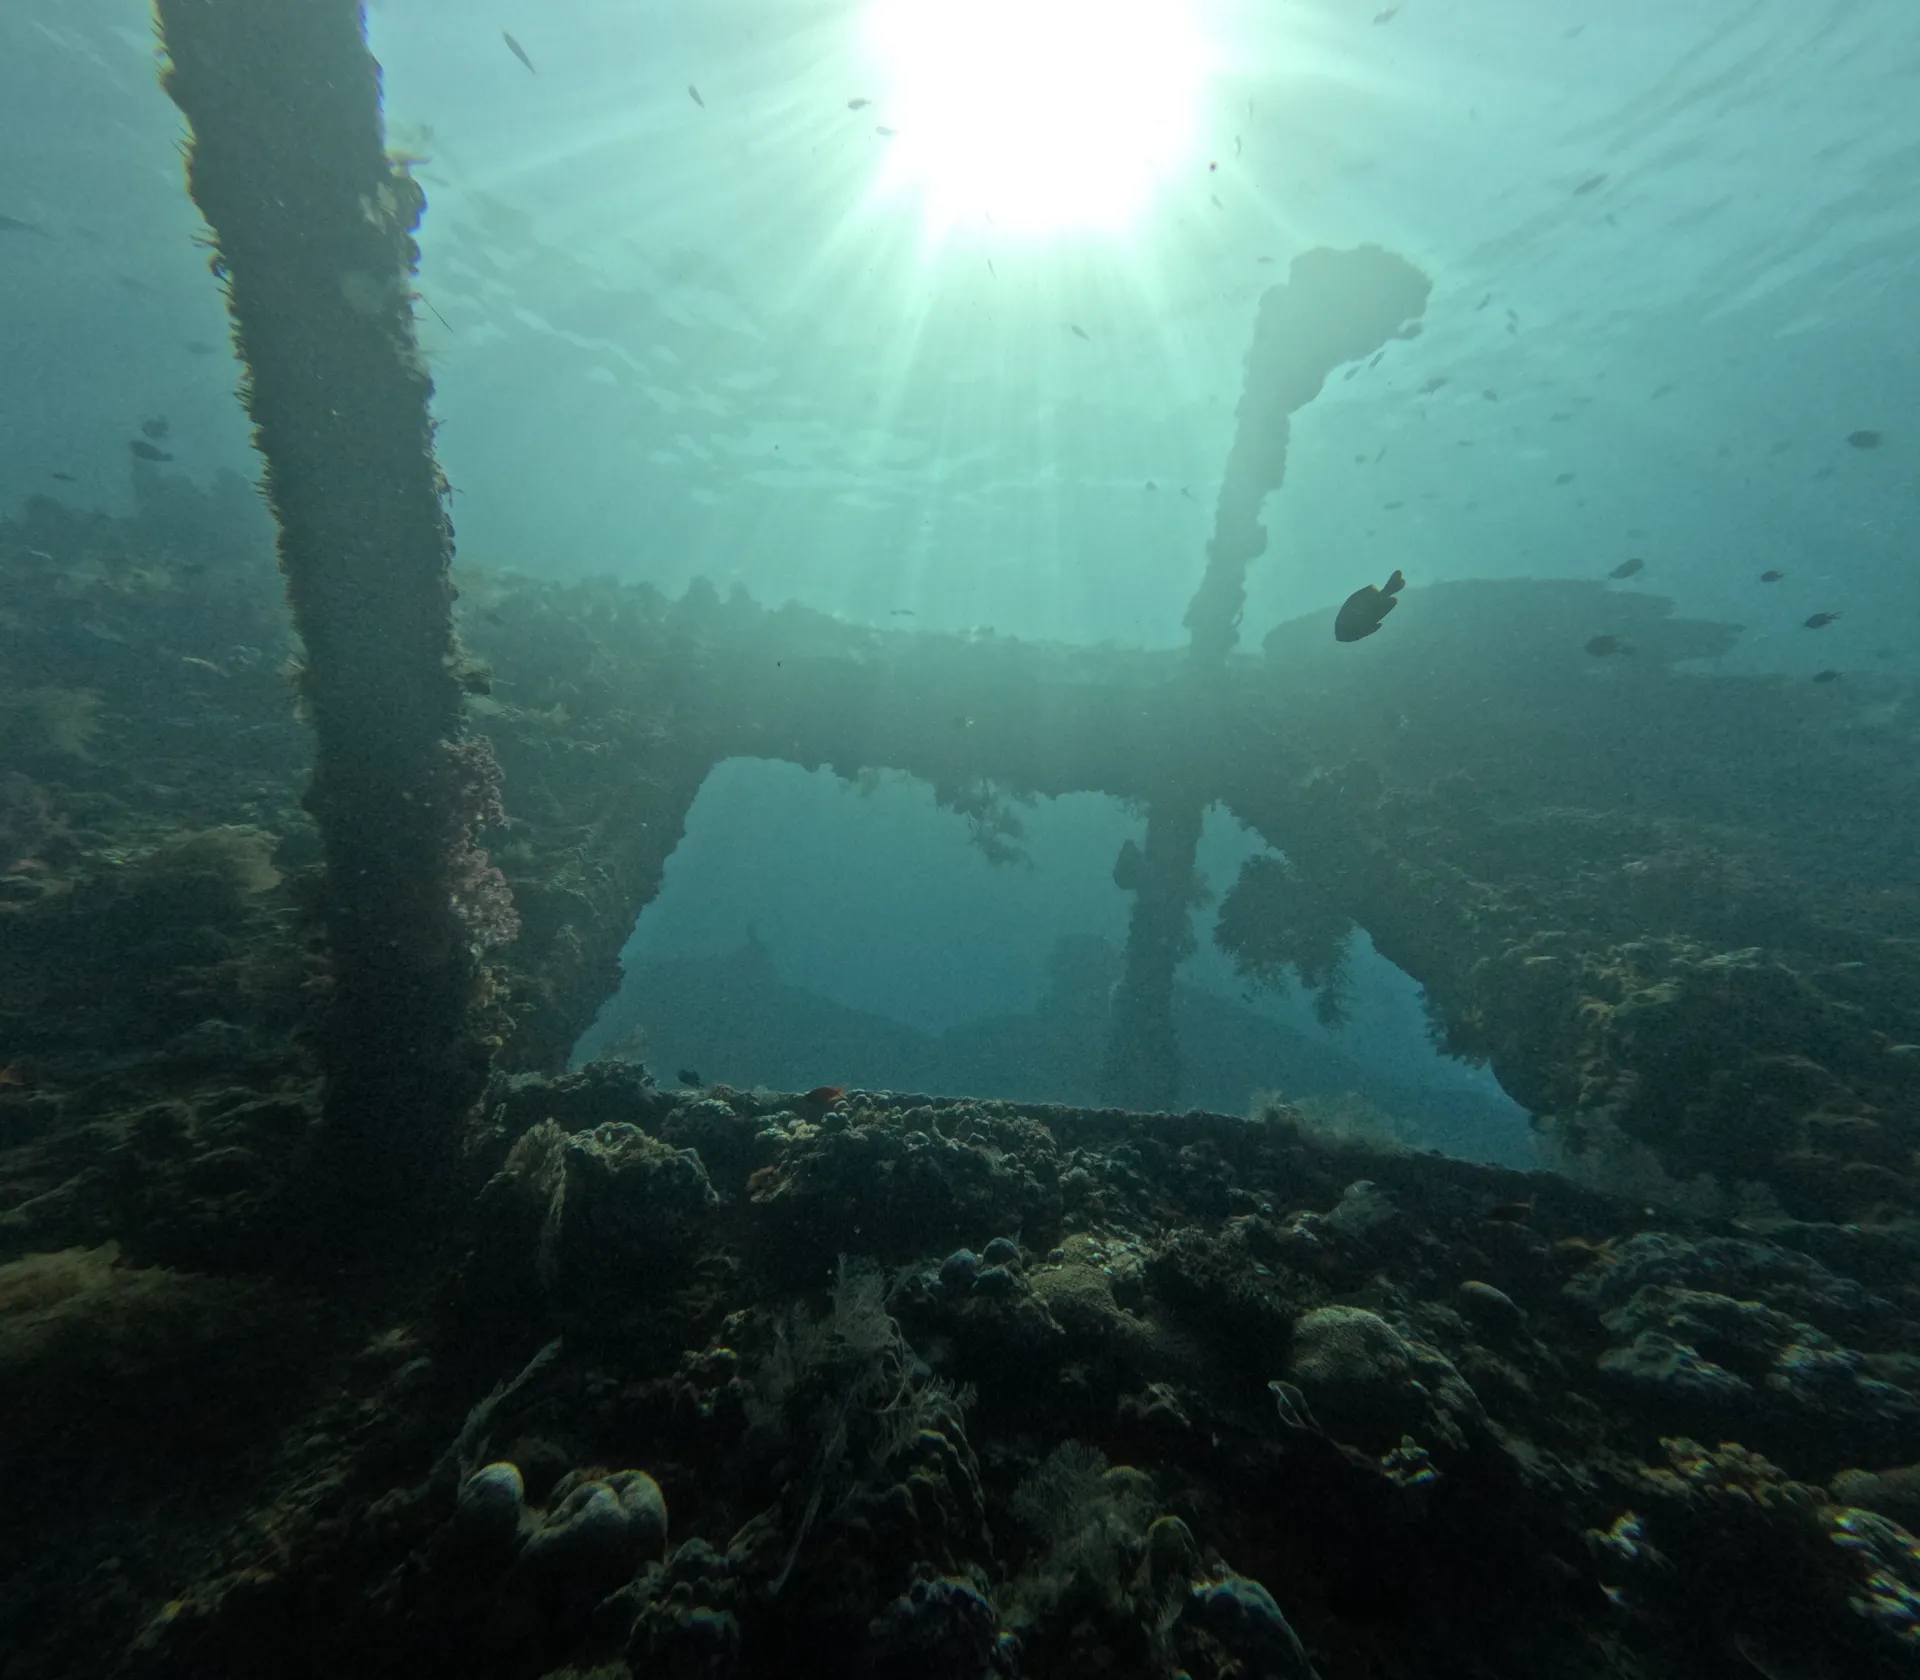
[(49, 722)]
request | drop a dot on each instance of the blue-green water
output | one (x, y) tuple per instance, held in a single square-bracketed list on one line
[(691, 312)]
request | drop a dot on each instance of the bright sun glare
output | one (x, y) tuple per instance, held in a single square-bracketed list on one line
[(1046, 115)]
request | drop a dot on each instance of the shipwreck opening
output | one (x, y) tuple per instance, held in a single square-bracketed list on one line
[(815, 929)]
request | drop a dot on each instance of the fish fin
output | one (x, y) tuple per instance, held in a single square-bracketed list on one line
[(1394, 584)]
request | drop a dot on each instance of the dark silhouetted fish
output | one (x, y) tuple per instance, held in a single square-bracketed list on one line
[(1864, 440), (1432, 385), (858, 104), (1567, 478), (1604, 647), (518, 51), (1077, 332), (693, 93), (147, 452), (13, 224), (1366, 609), (1627, 568), (883, 131), (1828, 675), (65, 478), (155, 428), (690, 1076), (1593, 183), (1771, 577), (1821, 620)]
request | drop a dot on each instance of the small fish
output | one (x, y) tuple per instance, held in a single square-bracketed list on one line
[(963, 722), (1151, 485), (1387, 16), (1510, 1213), (1215, 198), (1482, 304), (1366, 609), (1186, 492), (1820, 620), (690, 1076), (1567, 478), (858, 104), (991, 269), (1489, 395), (1593, 183), (885, 132), (1077, 332), (156, 428), (1864, 440), (13, 224), (1771, 577), (198, 347), (147, 452), (1560, 415), (1236, 145), (901, 612), (1432, 385), (693, 93), (825, 1096), (1628, 568), (1604, 647), (1828, 675), (1376, 360), (518, 52), (65, 478)]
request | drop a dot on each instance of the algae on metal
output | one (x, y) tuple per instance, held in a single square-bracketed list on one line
[(312, 229)]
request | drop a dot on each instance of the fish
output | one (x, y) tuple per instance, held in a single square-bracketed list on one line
[(1510, 1213), (1771, 577), (858, 104), (1593, 183), (1828, 675), (1489, 395), (1604, 647), (693, 93), (147, 452), (901, 612), (1151, 485), (518, 52), (198, 347), (883, 131), (1077, 331), (13, 224), (1820, 620), (1387, 16), (1567, 478), (1864, 440), (156, 428), (690, 1076), (1627, 568), (1482, 304), (1366, 609), (65, 478), (1432, 385), (825, 1096), (991, 269)]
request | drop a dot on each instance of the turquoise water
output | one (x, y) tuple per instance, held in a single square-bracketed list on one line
[(692, 313)]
